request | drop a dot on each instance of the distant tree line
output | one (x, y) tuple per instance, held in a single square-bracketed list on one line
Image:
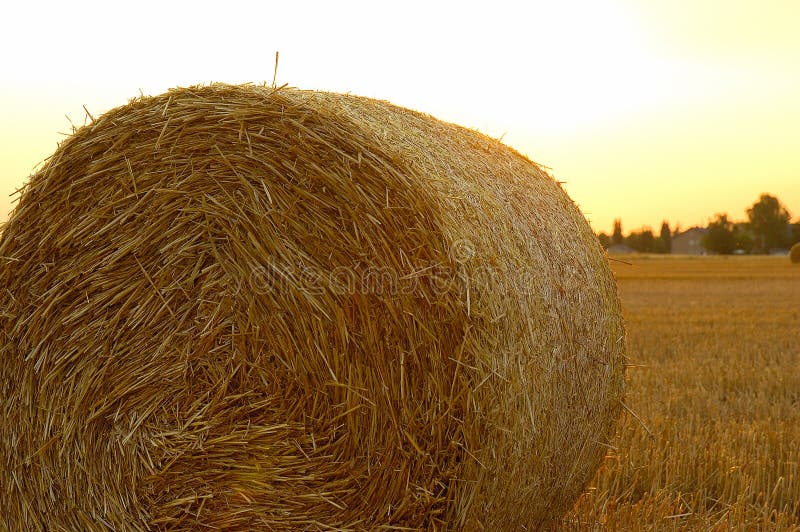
[(767, 227), (643, 240)]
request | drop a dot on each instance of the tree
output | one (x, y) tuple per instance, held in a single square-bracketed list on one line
[(719, 236), (743, 237), (795, 233), (605, 240), (642, 241), (769, 221), (664, 244), (616, 238)]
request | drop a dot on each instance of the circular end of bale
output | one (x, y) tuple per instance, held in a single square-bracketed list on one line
[(247, 307), (794, 254)]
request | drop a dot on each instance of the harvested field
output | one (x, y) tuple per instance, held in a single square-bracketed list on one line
[(718, 388)]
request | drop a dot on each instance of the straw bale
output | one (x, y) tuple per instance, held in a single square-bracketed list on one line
[(794, 254), (246, 307)]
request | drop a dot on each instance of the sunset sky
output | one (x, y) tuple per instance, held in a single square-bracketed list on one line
[(648, 110)]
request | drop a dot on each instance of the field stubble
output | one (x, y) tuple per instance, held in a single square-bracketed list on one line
[(714, 348)]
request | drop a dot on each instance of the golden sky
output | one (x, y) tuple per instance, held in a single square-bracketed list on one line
[(647, 109)]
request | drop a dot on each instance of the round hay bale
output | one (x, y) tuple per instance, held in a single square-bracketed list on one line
[(246, 307), (794, 254)]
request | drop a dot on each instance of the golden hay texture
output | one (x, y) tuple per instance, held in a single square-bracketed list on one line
[(794, 253), (246, 307)]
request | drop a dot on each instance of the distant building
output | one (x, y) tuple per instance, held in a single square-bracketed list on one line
[(620, 249), (689, 242)]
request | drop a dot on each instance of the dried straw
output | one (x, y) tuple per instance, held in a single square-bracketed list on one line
[(794, 254), (245, 307)]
